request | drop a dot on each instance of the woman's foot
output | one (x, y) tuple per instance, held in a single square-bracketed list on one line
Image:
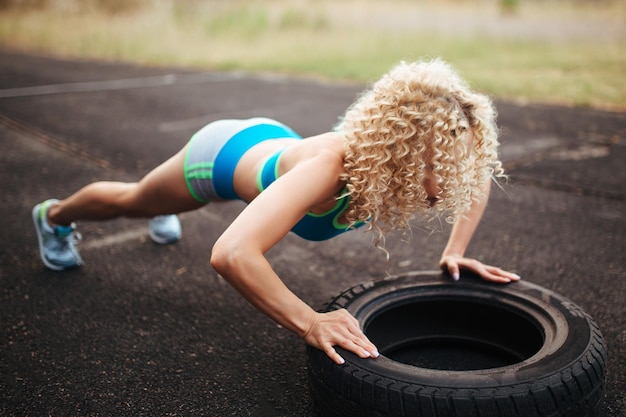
[(57, 244), (165, 229)]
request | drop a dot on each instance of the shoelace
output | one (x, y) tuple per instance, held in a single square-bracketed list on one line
[(75, 238), (68, 235)]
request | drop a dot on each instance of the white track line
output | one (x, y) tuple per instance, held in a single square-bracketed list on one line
[(115, 239), (122, 84), (142, 231)]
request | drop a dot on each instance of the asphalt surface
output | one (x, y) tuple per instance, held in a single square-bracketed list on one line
[(152, 330)]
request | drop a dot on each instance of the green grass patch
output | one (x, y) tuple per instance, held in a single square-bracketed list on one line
[(307, 39)]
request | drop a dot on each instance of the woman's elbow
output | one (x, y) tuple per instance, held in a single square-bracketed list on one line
[(226, 258), (220, 258)]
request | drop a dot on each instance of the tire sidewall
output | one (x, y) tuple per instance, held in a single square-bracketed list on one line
[(566, 328)]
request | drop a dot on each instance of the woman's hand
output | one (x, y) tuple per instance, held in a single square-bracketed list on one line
[(338, 328), (454, 264), (452, 259)]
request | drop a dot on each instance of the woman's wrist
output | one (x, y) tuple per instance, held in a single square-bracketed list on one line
[(299, 319), (311, 322)]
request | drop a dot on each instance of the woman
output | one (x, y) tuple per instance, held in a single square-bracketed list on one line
[(418, 142)]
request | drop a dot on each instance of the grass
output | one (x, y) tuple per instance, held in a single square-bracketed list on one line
[(351, 40)]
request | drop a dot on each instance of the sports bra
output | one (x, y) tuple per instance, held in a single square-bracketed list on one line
[(312, 226)]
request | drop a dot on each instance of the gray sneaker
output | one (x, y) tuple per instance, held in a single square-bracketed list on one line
[(57, 244), (165, 229)]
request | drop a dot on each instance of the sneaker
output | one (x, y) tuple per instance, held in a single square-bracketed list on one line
[(57, 244), (165, 229)]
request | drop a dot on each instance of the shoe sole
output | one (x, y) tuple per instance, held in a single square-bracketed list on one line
[(162, 241), (48, 264)]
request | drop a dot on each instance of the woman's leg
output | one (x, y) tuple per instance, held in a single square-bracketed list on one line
[(161, 191)]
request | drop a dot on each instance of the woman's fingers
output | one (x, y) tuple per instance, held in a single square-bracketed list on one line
[(500, 274), (495, 274), (352, 339), (488, 272), (334, 356), (450, 265), (359, 347), (355, 347), (340, 328)]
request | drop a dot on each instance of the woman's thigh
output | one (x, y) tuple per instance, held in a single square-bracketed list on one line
[(164, 189)]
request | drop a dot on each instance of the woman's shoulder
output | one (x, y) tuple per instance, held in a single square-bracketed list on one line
[(332, 142), (328, 148)]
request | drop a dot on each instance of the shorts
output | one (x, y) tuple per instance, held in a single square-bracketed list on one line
[(215, 150)]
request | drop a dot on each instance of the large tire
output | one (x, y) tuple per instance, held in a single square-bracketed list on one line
[(466, 348)]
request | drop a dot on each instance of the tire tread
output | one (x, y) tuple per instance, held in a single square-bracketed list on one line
[(574, 391)]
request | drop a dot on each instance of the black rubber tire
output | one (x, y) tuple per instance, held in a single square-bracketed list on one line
[(466, 348)]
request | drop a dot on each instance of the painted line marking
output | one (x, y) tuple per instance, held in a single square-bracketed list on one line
[(115, 239), (121, 84), (142, 231)]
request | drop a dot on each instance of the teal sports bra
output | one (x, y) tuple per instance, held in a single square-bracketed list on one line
[(312, 226)]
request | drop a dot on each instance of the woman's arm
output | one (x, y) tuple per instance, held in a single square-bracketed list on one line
[(452, 258), (238, 256)]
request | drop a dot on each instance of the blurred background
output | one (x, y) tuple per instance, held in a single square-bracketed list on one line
[(149, 344), (570, 52)]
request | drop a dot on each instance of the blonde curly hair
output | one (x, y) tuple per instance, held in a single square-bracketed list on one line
[(420, 119)]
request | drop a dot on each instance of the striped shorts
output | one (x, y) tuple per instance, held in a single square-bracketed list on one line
[(215, 150)]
